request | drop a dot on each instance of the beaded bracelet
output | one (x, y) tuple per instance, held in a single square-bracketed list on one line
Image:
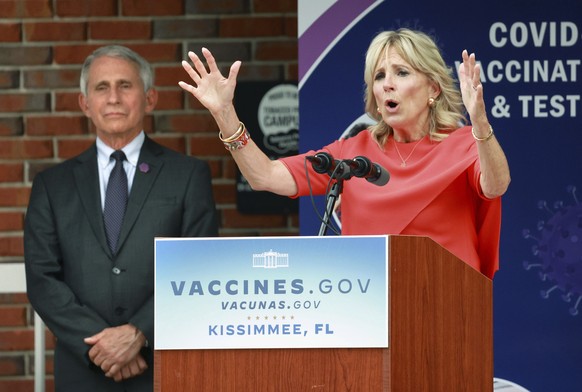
[(238, 140), (483, 139)]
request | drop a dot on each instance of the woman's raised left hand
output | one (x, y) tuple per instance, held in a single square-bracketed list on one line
[(471, 87)]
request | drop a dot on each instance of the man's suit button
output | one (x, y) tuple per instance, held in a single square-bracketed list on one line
[(119, 311), (116, 270)]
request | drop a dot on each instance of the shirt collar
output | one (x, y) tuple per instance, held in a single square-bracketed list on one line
[(131, 151)]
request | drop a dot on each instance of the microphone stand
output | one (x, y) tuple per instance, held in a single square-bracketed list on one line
[(331, 198), (343, 170)]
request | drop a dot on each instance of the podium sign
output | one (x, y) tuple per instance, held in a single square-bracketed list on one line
[(271, 292)]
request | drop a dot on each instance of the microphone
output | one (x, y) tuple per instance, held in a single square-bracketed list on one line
[(360, 166), (322, 162), (374, 173)]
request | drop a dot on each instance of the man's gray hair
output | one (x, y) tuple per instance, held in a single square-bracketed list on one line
[(121, 52)]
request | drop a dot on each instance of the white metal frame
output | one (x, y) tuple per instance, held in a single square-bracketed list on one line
[(13, 280)]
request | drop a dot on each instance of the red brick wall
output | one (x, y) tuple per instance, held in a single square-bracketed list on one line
[(42, 46)]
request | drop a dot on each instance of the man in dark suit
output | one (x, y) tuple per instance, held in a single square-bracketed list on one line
[(90, 280)]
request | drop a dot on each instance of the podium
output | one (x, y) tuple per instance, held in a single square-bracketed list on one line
[(441, 339)]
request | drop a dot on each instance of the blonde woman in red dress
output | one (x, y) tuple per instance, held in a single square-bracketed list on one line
[(446, 177)]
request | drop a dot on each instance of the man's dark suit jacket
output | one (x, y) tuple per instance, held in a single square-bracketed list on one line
[(74, 282)]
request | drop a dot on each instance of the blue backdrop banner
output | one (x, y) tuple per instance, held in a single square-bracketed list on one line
[(530, 53)]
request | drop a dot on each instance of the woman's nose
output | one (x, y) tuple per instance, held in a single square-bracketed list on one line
[(388, 82)]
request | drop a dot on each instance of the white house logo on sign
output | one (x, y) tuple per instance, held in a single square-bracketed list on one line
[(270, 259), (228, 298)]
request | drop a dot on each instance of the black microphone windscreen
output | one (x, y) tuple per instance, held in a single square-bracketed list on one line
[(382, 177)]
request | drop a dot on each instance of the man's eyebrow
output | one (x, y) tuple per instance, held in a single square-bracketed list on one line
[(116, 82), (102, 83)]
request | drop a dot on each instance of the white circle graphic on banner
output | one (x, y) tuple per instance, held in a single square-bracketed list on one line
[(278, 116)]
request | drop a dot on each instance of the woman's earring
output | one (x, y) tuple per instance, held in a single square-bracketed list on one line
[(378, 110), (430, 102)]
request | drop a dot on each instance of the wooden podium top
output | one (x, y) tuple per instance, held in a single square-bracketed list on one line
[(441, 339)]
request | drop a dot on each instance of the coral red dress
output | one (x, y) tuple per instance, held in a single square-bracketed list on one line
[(435, 194)]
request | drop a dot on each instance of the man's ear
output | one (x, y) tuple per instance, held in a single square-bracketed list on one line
[(151, 100), (83, 104)]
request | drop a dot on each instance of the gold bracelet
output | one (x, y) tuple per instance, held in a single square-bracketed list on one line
[(238, 140), (482, 139), (234, 136)]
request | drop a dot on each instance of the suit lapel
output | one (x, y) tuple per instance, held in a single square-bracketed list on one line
[(87, 183), (148, 168)]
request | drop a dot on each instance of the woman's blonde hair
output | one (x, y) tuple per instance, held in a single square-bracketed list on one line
[(421, 52)]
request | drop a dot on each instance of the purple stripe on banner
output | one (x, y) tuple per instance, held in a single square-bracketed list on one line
[(325, 29)]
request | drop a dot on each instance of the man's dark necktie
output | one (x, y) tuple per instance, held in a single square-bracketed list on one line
[(115, 201)]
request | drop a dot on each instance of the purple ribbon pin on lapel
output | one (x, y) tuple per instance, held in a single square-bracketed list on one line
[(144, 167)]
